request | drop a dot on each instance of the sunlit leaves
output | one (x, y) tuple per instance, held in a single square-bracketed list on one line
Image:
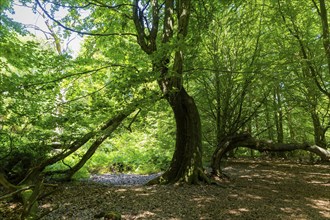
[(236, 53)]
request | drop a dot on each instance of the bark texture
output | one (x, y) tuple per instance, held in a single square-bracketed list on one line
[(186, 165), (246, 140)]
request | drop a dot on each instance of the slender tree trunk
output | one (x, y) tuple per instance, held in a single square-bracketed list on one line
[(269, 122), (325, 31), (278, 114), (319, 132), (290, 126), (219, 122)]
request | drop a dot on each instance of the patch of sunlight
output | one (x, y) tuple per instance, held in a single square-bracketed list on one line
[(143, 192), (322, 205), (276, 173), (289, 201), (315, 182), (121, 190), (145, 215), (321, 180), (139, 189), (47, 206), (318, 174), (108, 192), (233, 196), (250, 196), (13, 206), (238, 212), (249, 176), (325, 184), (202, 201), (290, 210)]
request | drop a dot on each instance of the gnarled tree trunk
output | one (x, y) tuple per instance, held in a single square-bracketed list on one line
[(186, 165)]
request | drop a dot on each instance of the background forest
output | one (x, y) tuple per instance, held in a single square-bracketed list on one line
[(121, 103)]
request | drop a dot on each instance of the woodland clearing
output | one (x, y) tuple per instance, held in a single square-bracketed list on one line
[(256, 190)]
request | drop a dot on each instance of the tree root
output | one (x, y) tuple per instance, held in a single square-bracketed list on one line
[(199, 177)]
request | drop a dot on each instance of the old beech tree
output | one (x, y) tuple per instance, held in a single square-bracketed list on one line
[(168, 24), (161, 29)]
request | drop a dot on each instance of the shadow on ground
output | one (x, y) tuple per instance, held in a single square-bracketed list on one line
[(257, 190)]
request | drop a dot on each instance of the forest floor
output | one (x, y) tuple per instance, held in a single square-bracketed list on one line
[(256, 190)]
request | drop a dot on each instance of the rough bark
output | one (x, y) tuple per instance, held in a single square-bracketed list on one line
[(186, 165), (246, 140), (225, 146)]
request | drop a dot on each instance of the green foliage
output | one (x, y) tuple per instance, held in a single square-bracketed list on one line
[(244, 65), (147, 148), (83, 173), (249, 51)]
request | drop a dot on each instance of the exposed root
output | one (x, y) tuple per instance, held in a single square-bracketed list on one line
[(199, 177), (154, 181)]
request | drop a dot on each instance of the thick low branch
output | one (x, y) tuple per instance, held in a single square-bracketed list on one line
[(246, 140), (263, 145)]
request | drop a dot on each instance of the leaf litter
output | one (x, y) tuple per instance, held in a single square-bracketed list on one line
[(256, 190)]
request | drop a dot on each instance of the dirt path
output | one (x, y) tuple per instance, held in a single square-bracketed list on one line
[(257, 190)]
